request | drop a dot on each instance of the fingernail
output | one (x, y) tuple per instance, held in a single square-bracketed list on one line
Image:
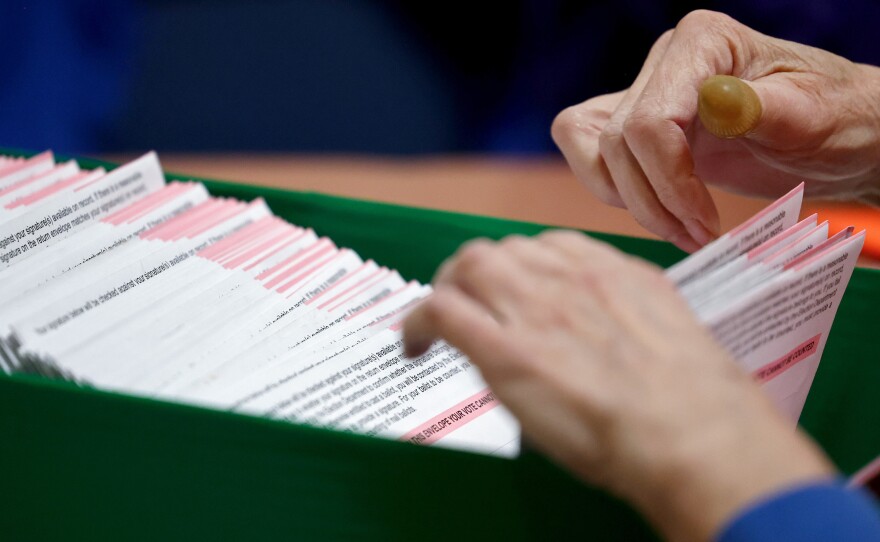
[(684, 242), (699, 232)]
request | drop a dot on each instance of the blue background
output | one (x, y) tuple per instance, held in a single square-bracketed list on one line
[(93, 76)]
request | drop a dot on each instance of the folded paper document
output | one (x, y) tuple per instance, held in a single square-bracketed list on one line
[(121, 281)]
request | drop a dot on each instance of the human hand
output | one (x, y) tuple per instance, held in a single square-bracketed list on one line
[(610, 375), (644, 148)]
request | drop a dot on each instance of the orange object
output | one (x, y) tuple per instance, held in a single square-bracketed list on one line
[(839, 216)]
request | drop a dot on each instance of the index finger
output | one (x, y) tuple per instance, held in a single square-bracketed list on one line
[(452, 315), (704, 44)]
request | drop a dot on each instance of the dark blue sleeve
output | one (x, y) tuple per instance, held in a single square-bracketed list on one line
[(817, 512)]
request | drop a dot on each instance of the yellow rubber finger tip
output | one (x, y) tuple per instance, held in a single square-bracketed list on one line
[(728, 106)]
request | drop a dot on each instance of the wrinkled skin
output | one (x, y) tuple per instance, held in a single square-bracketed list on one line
[(610, 374), (644, 148), (594, 351)]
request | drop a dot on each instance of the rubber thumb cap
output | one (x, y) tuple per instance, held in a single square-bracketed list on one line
[(728, 106)]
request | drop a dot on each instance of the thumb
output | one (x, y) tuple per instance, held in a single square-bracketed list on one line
[(770, 111)]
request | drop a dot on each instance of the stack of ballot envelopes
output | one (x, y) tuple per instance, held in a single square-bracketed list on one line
[(124, 282)]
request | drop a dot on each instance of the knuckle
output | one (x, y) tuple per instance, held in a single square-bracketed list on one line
[(664, 39), (586, 118), (668, 194), (564, 237), (570, 237), (636, 126), (444, 272), (610, 138), (562, 318), (701, 20), (594, 281), (474, 253), (515, 243), (565, 125)]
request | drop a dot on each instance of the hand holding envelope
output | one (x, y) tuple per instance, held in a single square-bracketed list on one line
[(644, 148), (644, 382), (611, 375)]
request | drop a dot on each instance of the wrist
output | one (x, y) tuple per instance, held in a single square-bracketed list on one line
[(705, 483)]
